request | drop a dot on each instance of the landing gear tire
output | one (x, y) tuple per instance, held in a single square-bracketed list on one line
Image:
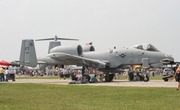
[(165, 79), (146, 79), (109, 77)]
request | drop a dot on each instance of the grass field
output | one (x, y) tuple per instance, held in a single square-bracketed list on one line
[(76, 97)]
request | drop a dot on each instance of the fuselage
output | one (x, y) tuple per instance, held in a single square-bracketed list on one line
[(127, 56), (143, 54), (114, 58)]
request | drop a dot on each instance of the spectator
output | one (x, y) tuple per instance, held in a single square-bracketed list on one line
[(1, 74), (131, 74), (7, 74), (94, 79), (101, 77), (153, 74), (64, 71), (177, 77), (74, 76), (83, 79)]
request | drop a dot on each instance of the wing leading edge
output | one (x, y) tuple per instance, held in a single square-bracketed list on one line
[(80, 60)]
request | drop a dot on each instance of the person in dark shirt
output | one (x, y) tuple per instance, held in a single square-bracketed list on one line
[(177, 77)]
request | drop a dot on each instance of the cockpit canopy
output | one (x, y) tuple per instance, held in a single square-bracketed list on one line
[(147, 47)]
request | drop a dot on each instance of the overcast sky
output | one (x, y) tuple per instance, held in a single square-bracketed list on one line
[(106, 23)]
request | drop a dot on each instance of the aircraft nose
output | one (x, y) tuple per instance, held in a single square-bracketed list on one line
[(168, 59), (171, 58)]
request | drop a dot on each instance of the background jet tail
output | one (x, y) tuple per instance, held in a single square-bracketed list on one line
[(28, 53)]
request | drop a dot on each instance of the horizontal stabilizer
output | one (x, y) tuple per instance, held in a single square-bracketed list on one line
[(55, 39)]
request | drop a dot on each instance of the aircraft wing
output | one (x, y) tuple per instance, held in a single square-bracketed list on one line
[(80, 60)]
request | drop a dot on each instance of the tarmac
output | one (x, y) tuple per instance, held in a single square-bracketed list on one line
[(151, 83)]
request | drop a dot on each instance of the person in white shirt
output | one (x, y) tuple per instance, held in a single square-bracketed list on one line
[(7, 74), (64, 71)]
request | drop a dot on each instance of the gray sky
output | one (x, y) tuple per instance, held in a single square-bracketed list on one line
[(106, 23)]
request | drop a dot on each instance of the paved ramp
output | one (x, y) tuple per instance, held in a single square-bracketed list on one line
[(152, 83)]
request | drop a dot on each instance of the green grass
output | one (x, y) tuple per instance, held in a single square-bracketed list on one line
[(159, 77), (77, 97)]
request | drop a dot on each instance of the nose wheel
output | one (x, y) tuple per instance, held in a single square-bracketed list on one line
[(146, 78)]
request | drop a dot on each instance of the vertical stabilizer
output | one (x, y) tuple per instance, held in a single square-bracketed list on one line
[(28, 53), (53, 44)]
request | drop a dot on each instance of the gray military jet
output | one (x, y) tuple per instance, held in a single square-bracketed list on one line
[(106, 61)]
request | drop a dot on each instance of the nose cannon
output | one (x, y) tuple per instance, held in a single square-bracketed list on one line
[(167, 60)]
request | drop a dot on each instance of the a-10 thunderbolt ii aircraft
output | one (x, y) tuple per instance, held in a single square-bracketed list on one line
[(106, 61)]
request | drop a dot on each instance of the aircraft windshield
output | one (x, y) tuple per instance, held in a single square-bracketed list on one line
[(147, 47)]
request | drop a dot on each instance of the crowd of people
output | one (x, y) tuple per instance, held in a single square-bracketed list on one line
[(35, 72), (4, 74), (86, 77), (75, 74), (89, 75)]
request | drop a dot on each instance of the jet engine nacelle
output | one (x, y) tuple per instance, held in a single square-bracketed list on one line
[(73, 49), (88, 48)]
